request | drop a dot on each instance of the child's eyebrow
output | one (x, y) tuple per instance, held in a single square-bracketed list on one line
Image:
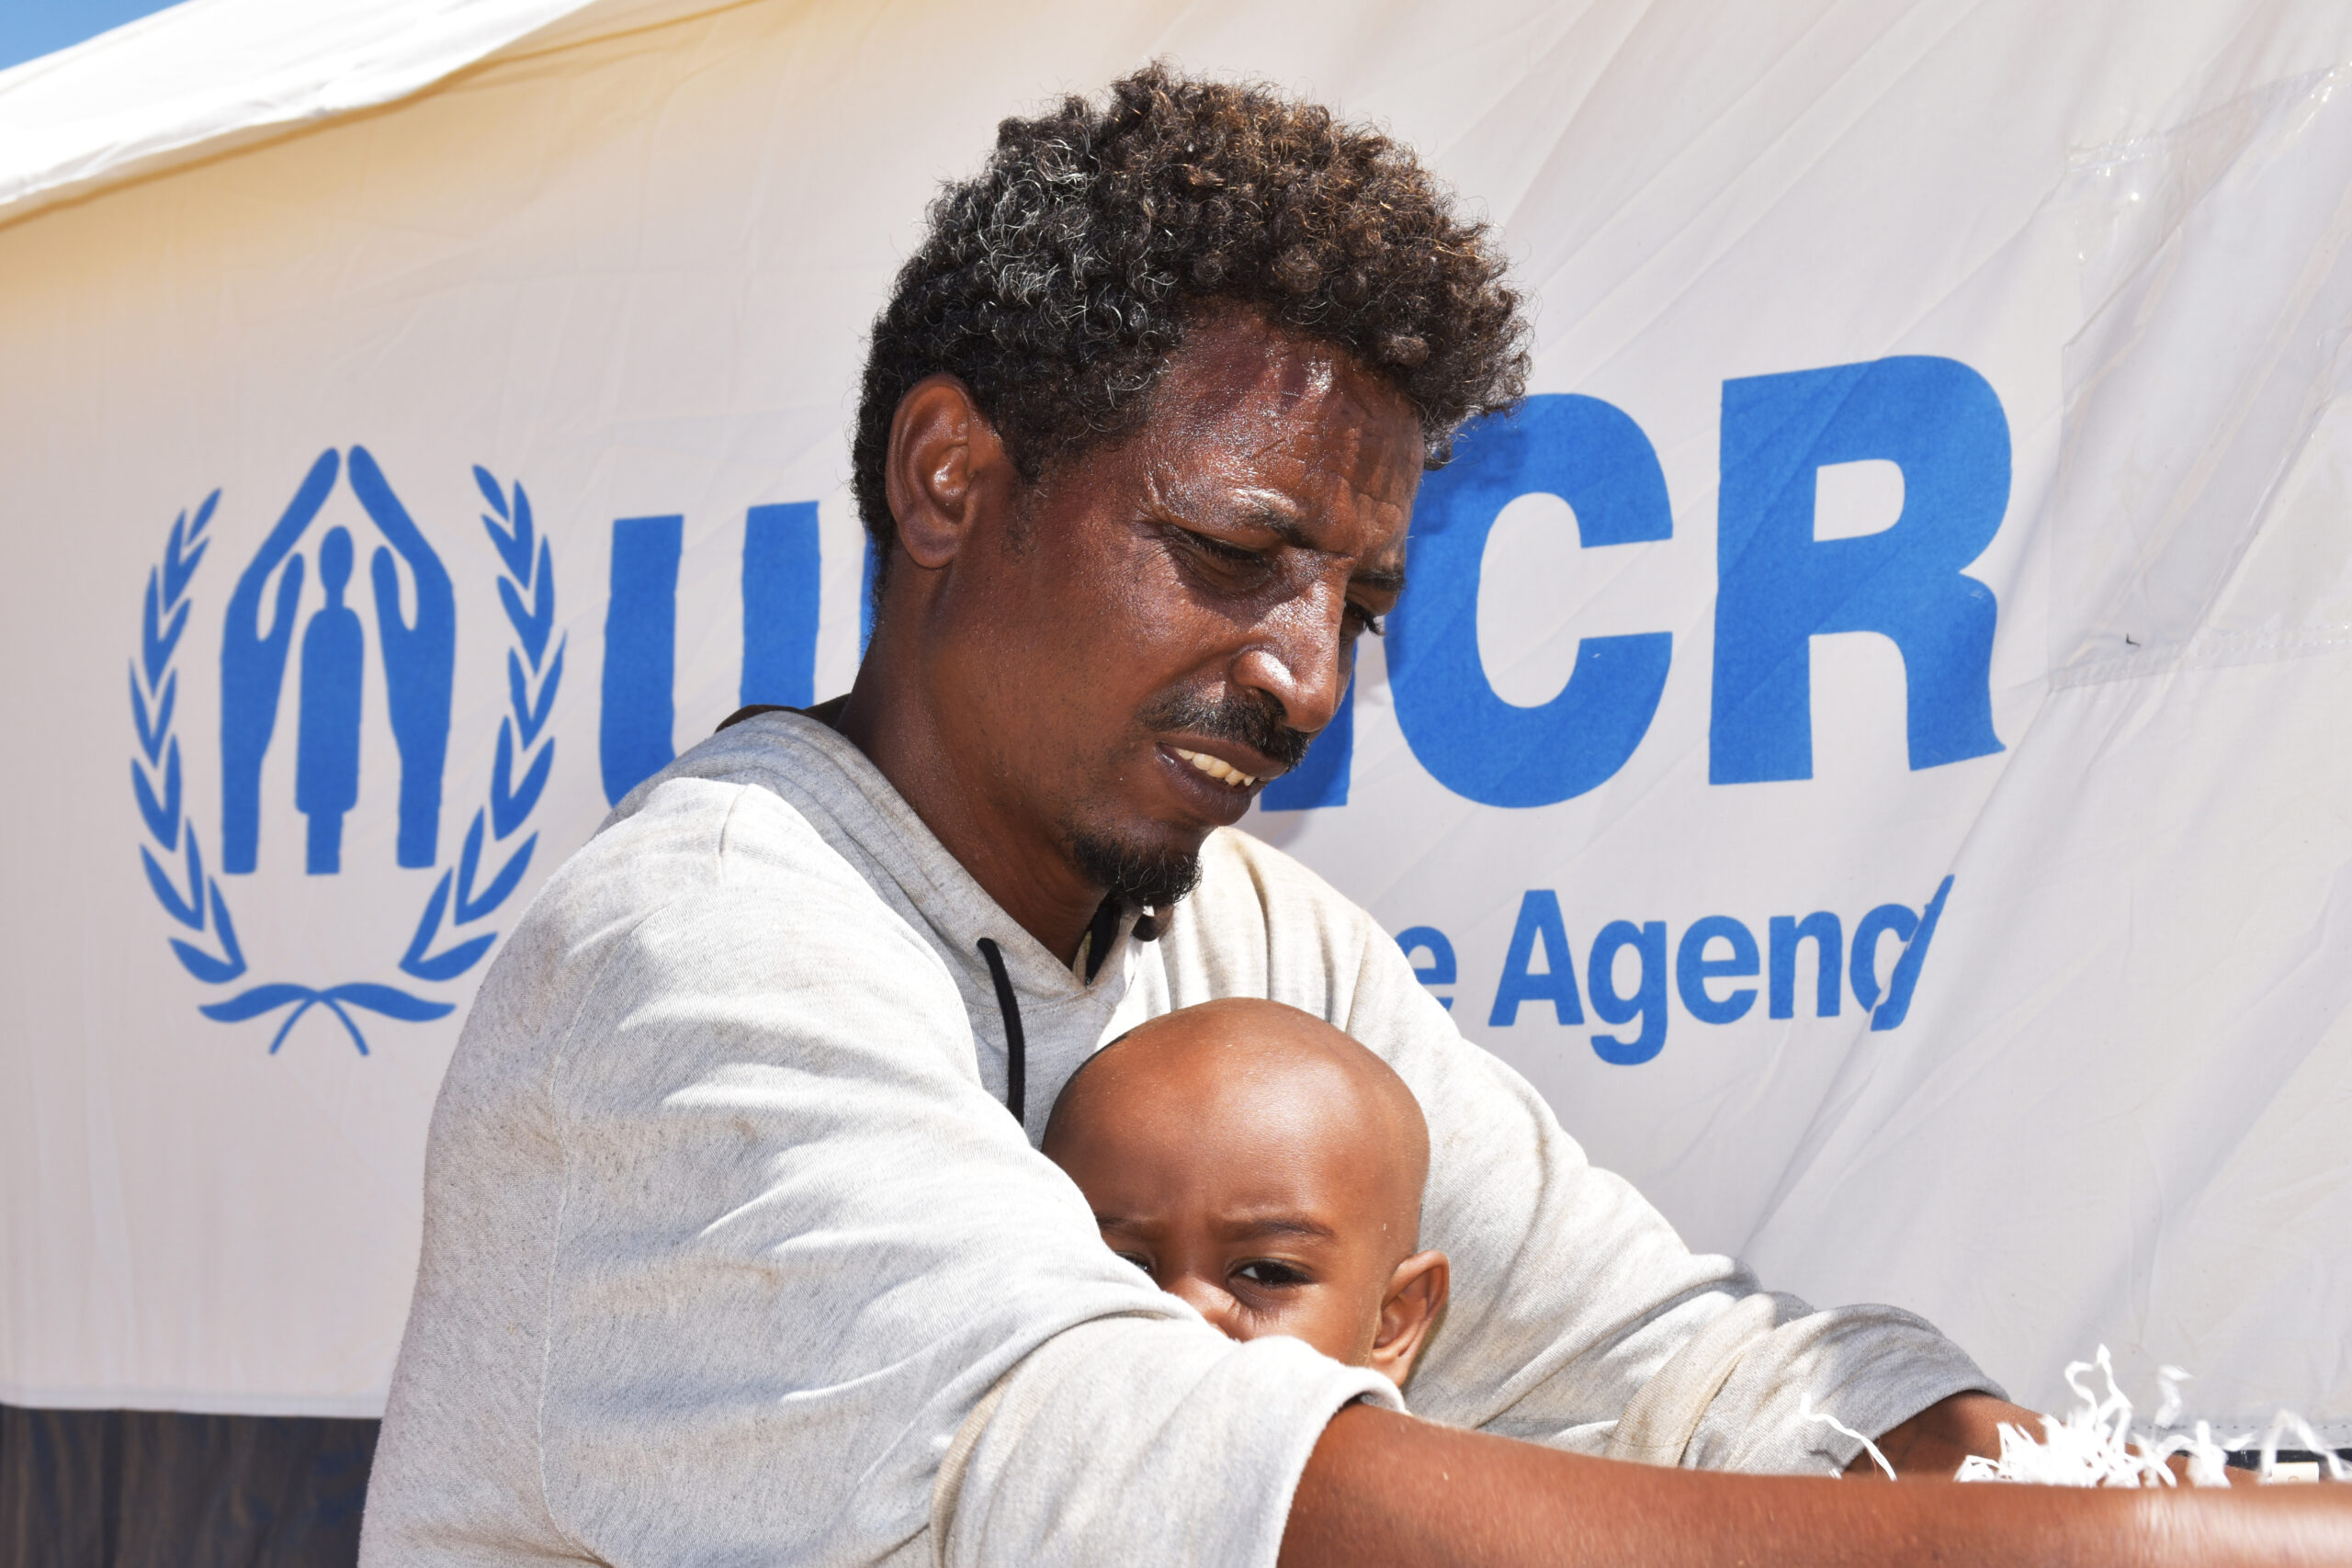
[(1282, 1224)]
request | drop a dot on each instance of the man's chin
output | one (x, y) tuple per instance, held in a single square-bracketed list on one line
[(1149, 874)]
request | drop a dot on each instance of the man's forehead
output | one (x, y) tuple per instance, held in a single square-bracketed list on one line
[(1280, 482), (1290, 453), (1268, 392), (1234, 368)]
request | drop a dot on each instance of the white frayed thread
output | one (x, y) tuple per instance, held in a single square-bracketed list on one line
[(2208, 1464), (1805, 1412), (2095, 1445)]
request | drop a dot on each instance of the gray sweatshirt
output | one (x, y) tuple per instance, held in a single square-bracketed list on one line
[(732, 1253)]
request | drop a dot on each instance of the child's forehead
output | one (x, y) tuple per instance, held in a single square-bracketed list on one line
[(1226, 1048), (1246, 1154), (1291, 1100), (1246, 1103), (1299, 1204)]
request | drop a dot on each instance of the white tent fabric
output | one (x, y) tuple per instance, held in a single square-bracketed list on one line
[(207, 75), (2169, 982), (2049, 302)]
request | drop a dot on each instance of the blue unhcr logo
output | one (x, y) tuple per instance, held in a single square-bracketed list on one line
[(416, 645)]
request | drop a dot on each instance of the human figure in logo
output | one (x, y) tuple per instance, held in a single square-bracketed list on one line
[(326, 747), (253, 667)]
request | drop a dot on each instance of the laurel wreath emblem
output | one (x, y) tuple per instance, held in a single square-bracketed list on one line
[(525, 757)]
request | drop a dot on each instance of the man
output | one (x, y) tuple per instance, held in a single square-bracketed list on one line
[(738, 1247)]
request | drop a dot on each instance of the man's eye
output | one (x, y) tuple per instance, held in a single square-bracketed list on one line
[(1220, 551), (1363, 620), (1266, 1272)]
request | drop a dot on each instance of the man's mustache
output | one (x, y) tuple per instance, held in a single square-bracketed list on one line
[(1252, 719)]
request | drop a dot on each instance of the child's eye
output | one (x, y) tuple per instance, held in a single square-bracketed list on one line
[(1266, 1272), (1137, 1258)]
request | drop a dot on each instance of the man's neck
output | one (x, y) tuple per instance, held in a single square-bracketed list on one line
[(828, 711), (1016, 862)]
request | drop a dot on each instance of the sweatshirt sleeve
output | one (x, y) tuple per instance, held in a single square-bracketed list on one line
[(796, 1243), (1571, 1294)]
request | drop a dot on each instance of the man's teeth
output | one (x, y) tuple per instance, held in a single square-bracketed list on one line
[(1223, 772)]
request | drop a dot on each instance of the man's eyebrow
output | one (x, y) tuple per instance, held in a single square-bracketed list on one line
[(1291, 532), (1280, 523), (1256, 510)]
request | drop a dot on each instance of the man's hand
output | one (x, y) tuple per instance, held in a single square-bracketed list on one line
[(1931, 1446)]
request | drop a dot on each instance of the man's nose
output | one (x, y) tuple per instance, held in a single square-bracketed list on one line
[(1299, 659), (1211, 1301)]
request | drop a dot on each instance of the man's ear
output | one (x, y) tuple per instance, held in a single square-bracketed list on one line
[(944, 462), (1415, 1301)]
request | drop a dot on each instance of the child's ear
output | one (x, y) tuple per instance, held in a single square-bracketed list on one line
[(1415, 1300)]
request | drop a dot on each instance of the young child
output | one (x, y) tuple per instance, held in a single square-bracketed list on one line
[(1265, 1168)]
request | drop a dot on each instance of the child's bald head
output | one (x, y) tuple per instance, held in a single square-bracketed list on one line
[(1267, 1168)]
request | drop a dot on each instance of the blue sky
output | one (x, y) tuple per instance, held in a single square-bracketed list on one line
[(30, 28)]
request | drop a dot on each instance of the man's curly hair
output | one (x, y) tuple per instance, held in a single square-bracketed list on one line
[(1057, 282)]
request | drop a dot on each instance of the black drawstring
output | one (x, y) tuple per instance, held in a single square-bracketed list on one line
[(1101, 935), (1016, 1046)]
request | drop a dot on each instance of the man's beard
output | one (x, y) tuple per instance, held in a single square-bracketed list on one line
[(1158, 876)]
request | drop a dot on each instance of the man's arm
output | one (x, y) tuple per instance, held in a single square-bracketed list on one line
[(1572, 1295), (1388, 1488), (1581, 1299), (725, 1240)]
